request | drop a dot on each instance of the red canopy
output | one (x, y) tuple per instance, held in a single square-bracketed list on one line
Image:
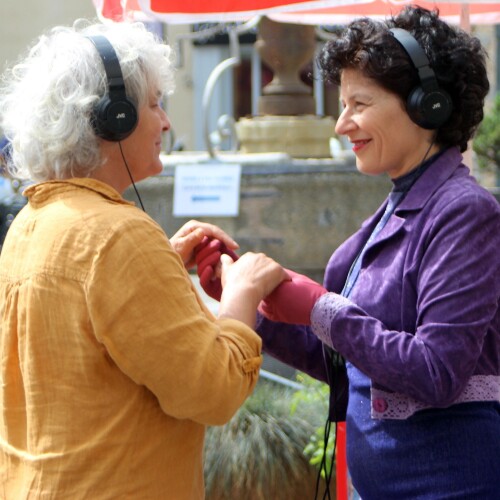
[(195, 11), (295, 11), (454, 12)]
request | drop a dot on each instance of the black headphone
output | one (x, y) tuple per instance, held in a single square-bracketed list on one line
[(114, 117), (428, 105)]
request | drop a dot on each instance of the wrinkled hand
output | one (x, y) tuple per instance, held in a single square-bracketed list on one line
[(292, 301), (186, 240), (207, 256), (245, 283)]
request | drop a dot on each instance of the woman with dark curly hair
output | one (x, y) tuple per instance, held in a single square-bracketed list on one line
[(410, 301)]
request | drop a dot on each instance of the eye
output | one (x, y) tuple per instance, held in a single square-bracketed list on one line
[(155, 100)]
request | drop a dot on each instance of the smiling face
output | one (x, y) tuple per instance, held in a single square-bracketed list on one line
[(375, 121), (142, 148)]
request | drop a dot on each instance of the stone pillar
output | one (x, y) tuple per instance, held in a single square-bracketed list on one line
[(285, 48), (286, 120)]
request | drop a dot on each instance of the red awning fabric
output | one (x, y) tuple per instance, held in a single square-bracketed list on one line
[(456, 13), (196, 11), (326, 12)]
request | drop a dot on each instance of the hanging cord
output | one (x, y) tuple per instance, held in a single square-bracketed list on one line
[(333, 362), (130, 175), (323, 465), (422, 166)]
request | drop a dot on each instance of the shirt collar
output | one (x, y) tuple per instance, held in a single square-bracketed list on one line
[(42, 192)]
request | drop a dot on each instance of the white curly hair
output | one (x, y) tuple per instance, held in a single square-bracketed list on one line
[(46, 99)]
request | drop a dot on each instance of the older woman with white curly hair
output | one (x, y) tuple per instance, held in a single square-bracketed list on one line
[(50, 96), (111, 366)]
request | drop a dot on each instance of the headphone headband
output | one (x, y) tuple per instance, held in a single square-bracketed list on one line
[(417, 55), (110, 61), (114, 117), (427, 105)]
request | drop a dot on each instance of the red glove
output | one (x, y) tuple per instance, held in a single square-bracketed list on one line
[(207, 256), (292, 301)]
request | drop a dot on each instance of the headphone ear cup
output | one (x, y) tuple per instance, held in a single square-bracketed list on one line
[(114, 120), (427, 105), (429, 110)]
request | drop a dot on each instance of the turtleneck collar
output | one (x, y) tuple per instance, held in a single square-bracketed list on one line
[(405, 182)]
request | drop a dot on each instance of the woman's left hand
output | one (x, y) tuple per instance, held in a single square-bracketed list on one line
[(293, 300), (191, 234)]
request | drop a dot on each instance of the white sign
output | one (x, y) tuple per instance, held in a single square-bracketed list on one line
[(209, 189)]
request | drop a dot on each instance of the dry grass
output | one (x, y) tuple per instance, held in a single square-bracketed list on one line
[(259, 454)]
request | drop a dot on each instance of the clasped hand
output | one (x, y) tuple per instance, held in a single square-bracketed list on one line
[(186, 241), (290, 302)]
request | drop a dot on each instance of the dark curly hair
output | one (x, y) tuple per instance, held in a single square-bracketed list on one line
[(457, 58)]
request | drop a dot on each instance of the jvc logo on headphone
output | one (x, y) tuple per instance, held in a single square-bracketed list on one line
[(427, 105)]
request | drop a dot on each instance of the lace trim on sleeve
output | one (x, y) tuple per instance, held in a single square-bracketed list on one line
[(324, 312)]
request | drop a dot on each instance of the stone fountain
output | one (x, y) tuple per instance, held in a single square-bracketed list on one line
[(286, 121)]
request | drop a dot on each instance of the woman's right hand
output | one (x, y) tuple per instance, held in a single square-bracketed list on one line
[(246, 282)]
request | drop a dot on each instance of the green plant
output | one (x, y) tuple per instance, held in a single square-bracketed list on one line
[(315, 394), (486, 143), (259, 454)]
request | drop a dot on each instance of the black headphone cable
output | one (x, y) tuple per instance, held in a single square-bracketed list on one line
[(130, 175)]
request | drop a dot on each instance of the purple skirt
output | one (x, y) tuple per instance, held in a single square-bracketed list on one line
[(451, 453)]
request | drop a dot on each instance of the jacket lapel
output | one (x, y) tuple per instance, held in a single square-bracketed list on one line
[(430, 181)]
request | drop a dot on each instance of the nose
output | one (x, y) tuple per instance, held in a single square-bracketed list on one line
[(165, 121), (344, 122)]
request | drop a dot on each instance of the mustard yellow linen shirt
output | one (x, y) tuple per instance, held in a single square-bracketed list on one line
[(111, 365)]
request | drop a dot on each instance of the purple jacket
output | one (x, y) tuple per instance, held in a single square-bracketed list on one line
[(422, 321)]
